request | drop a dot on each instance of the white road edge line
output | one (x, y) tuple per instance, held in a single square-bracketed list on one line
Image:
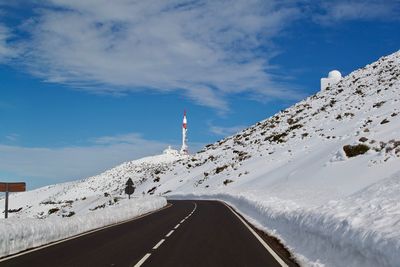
[(142, 260), (159, 244), (170, 233), (270, 250), (79, 235)]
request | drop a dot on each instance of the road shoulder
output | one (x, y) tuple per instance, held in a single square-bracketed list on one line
[(274, 243)]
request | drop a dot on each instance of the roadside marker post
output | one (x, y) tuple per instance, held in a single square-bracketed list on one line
[(6, 204), (11, 187)]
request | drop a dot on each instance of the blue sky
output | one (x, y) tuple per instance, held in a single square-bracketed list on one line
[(85, 85)]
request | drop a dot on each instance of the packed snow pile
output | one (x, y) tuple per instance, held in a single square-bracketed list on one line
[(322, 175), (17, 234), (59, 211), (360, 230)]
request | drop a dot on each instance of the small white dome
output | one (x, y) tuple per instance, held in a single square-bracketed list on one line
[(170, 151), (333, 78), (335, 74)]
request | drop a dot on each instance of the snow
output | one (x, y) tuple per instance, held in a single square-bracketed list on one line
[(59, 211), (354, 231), (288, 174), (85, 195), (17, 234)]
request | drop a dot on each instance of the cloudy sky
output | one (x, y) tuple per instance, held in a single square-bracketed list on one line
[(85, 85)]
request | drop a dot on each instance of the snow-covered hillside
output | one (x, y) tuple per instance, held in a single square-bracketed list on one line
[(60, 211), (322, 175), (93, 193), (298, 153)]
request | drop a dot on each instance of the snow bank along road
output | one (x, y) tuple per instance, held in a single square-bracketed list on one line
[(188, 233)]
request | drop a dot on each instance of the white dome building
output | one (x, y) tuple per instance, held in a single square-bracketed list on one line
[(334, 77), (170, 151)]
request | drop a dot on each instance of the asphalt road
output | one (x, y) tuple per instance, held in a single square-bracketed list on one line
[(188, 233)]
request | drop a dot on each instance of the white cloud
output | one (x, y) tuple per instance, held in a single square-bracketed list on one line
[(6, 50), (205, 49), (68, 163), (226, 131), (336, 11)]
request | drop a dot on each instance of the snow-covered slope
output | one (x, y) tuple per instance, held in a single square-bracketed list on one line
[(322, 175), (60, 211), (93, 193), (298, 153)]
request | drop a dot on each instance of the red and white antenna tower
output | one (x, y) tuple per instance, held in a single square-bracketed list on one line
[(184, 149)]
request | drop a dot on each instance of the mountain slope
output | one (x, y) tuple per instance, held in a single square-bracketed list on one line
[(90, 194), (298, 153), (322, 175)]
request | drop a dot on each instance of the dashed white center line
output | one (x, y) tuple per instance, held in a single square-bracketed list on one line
[(170, 233), (159, 244), (162, 240), (142, 260)]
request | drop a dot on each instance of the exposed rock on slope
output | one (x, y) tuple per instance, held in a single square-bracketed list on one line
[(307, 174), (298, 153)]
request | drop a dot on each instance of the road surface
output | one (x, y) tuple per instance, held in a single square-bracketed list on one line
[(188, 233)]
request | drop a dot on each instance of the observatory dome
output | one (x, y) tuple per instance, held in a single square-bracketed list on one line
[(333, 78), (335, 74)]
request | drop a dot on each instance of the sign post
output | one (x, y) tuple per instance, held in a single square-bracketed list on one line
[(6, 203), (129, 189), (11, 187)]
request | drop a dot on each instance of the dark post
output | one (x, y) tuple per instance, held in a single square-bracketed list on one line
[(6, 208)]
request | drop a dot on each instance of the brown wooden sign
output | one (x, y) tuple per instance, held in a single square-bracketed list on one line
[(12, 187)]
